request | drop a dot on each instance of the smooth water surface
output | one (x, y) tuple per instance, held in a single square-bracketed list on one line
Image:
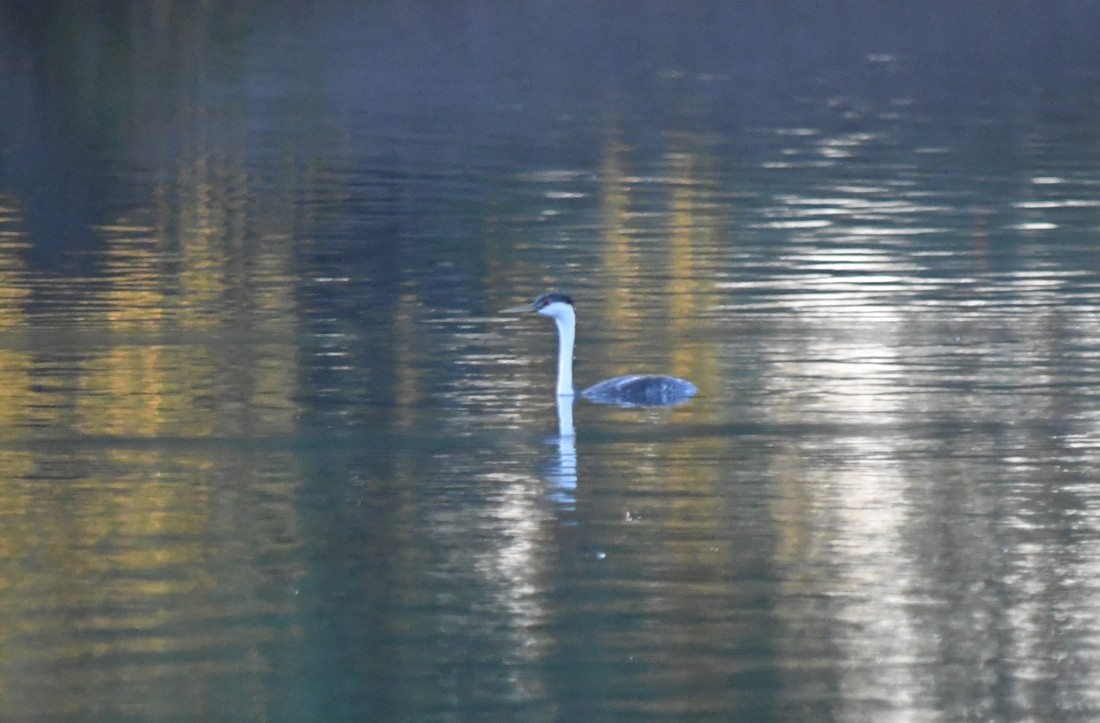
[(269, 452)]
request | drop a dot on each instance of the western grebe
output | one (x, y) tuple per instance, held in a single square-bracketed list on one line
[(633, 390)]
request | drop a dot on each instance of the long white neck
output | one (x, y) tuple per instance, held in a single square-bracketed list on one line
[(567, 329)]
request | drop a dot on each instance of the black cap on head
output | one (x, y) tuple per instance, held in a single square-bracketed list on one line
[(549, 298)]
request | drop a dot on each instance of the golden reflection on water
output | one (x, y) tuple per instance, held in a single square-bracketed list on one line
[(118, 577), (122, 559), (651, 262), (16, 364), (617, 249)]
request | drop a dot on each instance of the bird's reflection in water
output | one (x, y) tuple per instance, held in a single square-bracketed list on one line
[(562, 474)]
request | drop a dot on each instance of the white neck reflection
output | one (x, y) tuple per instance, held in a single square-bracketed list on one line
[(563, 477)]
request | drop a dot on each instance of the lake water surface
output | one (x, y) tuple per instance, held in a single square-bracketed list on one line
[(268, 451)]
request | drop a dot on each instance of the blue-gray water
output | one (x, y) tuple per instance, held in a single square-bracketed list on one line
[(268, 452)]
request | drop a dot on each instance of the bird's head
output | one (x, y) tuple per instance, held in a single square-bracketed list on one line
[(553, 304)]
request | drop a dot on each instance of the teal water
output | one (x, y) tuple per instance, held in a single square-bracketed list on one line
[(269, 452)]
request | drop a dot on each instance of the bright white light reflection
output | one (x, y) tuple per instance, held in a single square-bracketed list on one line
[(845, 370), (879, 638), (1060, 203), (511, 566)]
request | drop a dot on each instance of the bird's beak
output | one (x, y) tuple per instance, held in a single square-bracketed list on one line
[(521, 309)]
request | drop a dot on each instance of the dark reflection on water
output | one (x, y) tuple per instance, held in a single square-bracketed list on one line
[(268, 452)]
